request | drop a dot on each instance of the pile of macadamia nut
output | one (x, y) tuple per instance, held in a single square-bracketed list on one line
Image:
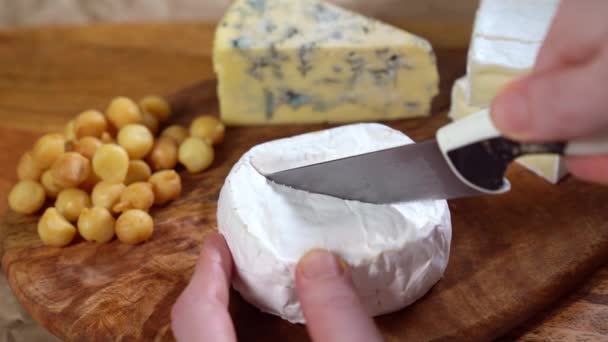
[(106, 171)]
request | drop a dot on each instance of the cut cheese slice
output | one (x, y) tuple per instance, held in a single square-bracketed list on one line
[(306, 61), (460, 106), (506, 40), (396, 252)]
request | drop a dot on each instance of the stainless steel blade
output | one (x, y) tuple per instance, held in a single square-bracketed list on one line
[(405, 173)]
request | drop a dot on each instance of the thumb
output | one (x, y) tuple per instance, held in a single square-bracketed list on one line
[(329, 301), (556, 105)]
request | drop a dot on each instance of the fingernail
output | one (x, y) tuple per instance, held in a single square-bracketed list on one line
[(510, 113), (319, 264), (210, 250)]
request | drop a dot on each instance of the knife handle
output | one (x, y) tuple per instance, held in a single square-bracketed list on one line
[(479, 155), (587, 147), (479, 127)]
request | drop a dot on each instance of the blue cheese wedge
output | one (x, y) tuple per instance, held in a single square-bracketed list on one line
[(306, 61)]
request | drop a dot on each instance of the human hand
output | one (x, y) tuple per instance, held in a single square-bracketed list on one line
[(566, 94), (332, 309)]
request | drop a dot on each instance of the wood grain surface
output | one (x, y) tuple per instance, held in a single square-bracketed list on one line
[(512, 256)]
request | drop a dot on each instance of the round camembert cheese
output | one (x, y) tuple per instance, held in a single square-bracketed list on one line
[(396, 252)]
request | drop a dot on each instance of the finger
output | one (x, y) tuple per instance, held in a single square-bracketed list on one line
[(591, 169), (558, 105), (578, 32), (330, 304), (201, 311)]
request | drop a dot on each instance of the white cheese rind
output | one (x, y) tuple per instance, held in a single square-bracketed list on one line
[(396, 252), (516, 20)]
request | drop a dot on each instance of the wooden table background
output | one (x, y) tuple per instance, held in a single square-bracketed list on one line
[(39, 93)]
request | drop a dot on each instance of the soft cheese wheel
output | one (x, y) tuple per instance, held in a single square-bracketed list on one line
[(306, 61), (396, 252)]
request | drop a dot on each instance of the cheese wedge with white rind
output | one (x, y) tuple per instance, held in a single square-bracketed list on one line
[(507, 37), (396, 252), (506, 40), (306, 61)]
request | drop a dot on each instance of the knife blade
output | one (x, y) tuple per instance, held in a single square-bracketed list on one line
[(404, 173), (469, 157)]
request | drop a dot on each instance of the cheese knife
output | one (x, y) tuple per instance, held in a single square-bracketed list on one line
[(467, 158)]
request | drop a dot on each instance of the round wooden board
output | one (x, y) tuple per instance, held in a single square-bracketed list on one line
[(511, 255)]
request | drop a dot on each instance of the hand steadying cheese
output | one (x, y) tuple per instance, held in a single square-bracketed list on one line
[(564, 96), (201, 312)]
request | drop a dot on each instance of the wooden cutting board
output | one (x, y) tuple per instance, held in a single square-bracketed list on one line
[(511, 255)]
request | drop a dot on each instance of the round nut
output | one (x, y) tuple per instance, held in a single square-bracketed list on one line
[(163, 155), (50, 185), (195, 154), (136, 196), (54, 230), (26, 197), (87, 146), (134, 226), (157, 106), (123, 111), (28, 168), (139, 171), (106, 194), (150, 122), (70, 169), (208, 128), (176, 132), (71, 202), (136, 139), (90, 123), (111, 163), (47, 149), (167, 186), (96, 225)]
